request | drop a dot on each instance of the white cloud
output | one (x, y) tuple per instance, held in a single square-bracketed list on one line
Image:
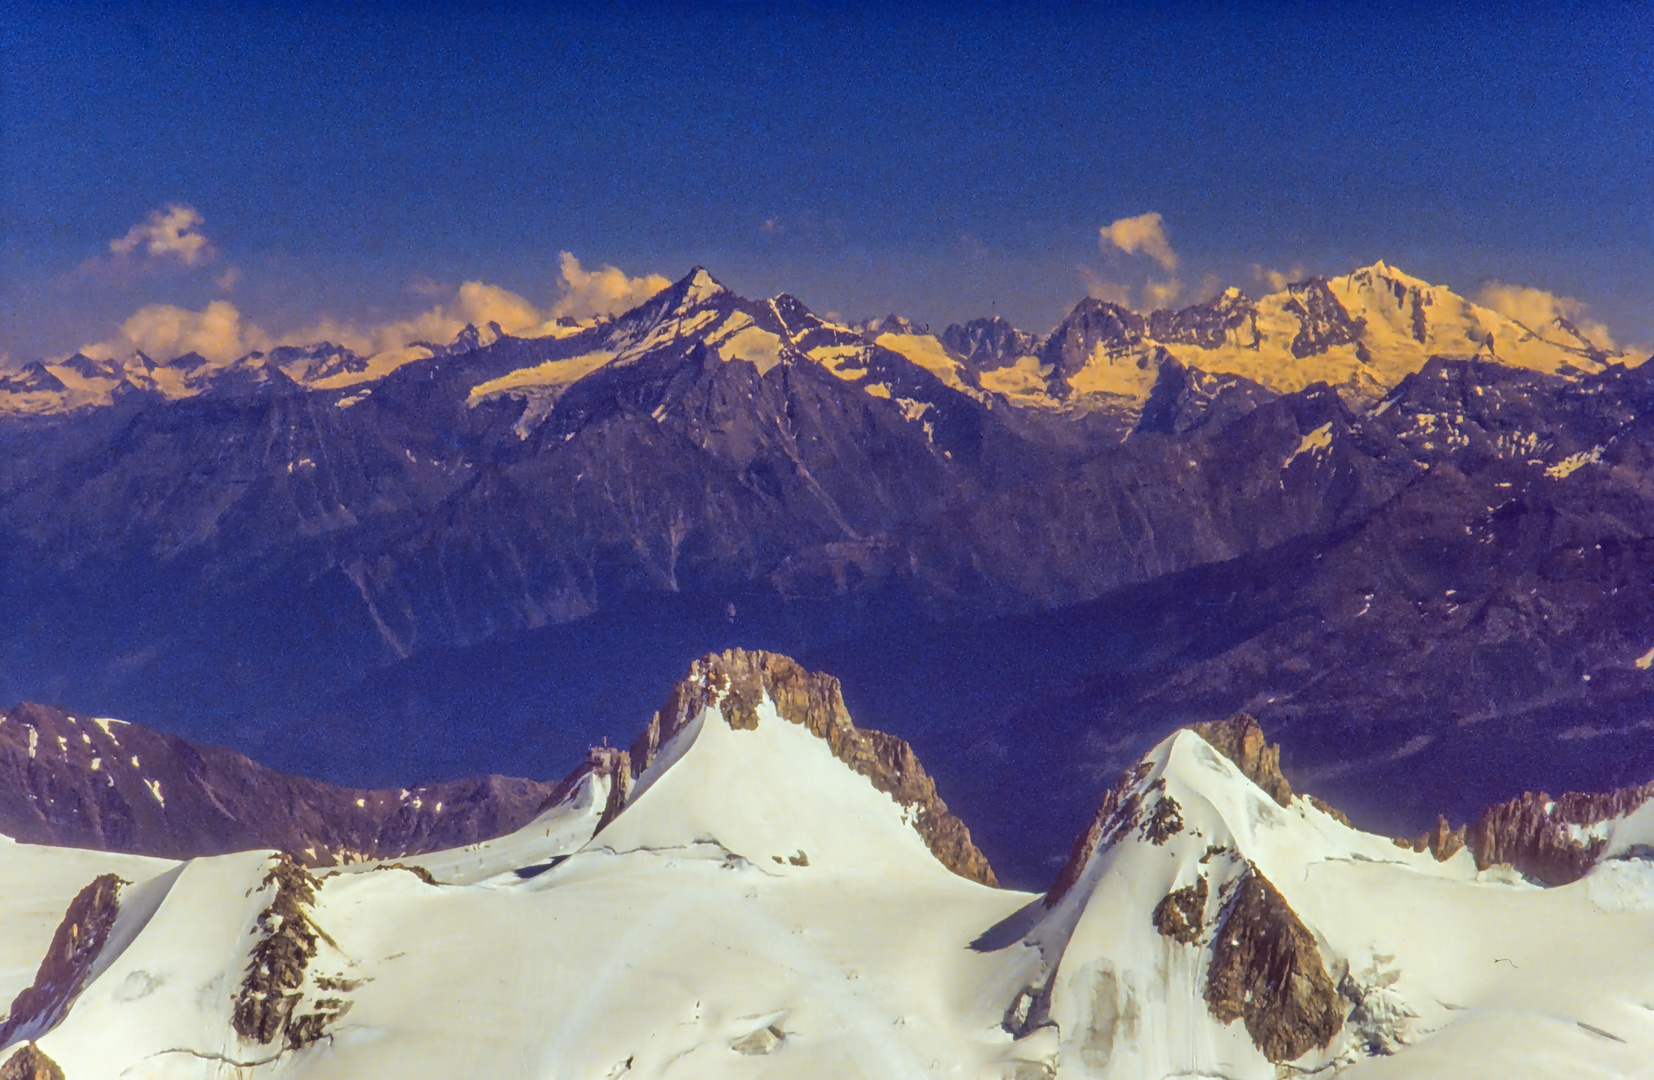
[(1144, 234), (228, 278), (164, 331), (1536, 309), (1279, 279), (604, 291), (173, 233), (1161, 294), (218, 333)]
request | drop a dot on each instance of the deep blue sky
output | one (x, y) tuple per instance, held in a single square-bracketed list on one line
[(943, 163)]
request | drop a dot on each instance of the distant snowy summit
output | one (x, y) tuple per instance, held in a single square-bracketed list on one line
[(1361, 333), (757, 887)]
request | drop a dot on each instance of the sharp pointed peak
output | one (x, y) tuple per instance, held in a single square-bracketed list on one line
[(699, 285), (1389, 271)]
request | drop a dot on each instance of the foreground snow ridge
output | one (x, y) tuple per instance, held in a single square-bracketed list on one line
[(757, 887)]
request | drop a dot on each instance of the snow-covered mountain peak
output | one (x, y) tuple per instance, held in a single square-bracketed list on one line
[(751, 748), (700, 286)]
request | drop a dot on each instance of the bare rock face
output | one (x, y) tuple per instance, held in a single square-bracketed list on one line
[(1267, 970), (1121, 807), (1241, 740), (266, 1007), (1442, 841), (737, 680), (1165, 820), (602, 761), (1181, 913), (81, 782), (1532, 832), (30, 1063), (69, 959)]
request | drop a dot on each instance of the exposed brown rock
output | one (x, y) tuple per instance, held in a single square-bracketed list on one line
[(602, 761), (73, 781), (763, 1041), (1330, 810), (1181, 913), (1267, 969), (1241, 740), (266, 1006), (1117, 814), (1531, 832), (1442, 842), (68, 962), (1164, 821), (417, 871), (30, 1063), (736, 681)]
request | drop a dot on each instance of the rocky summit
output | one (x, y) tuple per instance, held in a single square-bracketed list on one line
[(1405, 529)]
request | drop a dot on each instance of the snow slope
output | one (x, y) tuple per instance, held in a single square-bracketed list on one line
[(755, 906), (1361, 333), (39, 883), (1440, 970)]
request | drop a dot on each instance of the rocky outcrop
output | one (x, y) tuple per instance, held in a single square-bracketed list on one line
[(76, 781), (604, 762), (1267, 970), (736, 681), (1322, 320), (68, 963), (1241, 740), (1118, 813), (1549, 839), (266, 1007), (30, 1063), (1442, 841), (1227, 316), (1165, 820), (1181, 913), (987, 344)]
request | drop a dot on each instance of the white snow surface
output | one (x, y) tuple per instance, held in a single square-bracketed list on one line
[(1460, 973), (759, 909), (38, 884)]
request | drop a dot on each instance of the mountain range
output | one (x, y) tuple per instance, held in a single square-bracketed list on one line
[(1406, 532), (759, 886)]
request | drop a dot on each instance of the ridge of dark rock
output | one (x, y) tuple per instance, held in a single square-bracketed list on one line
[(1210, 324), (267, 1002), (1539, 836), (63, 972), (80, 782)]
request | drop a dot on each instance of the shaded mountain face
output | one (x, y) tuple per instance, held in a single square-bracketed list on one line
[(1116, 532), (75, 781)]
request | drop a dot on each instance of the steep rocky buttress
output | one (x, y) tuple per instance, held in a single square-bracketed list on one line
[(1267, 970)]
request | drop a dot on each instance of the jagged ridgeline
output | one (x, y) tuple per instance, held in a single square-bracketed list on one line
[(1377, 515), (758, 886)]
